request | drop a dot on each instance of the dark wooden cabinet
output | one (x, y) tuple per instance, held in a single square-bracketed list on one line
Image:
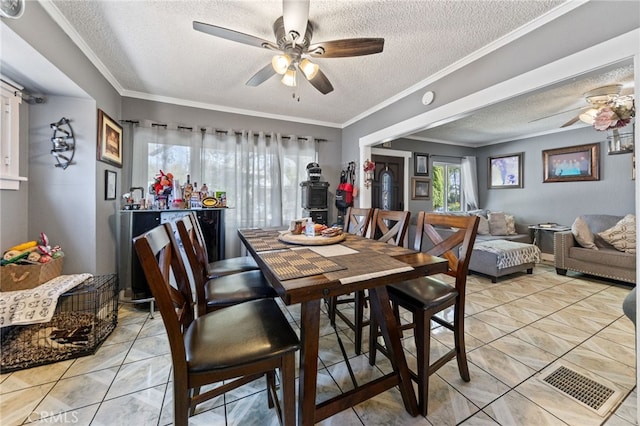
[(136, 222)]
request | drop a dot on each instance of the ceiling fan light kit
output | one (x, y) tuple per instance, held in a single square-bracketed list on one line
[(280, 63), (289, 77), (309, 69), (293, 32)]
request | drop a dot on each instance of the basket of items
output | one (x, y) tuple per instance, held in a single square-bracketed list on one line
[(30, 264)]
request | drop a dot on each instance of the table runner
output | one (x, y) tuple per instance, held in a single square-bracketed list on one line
[(361, 244), (266, 244), (259, 233), (290, 264), (362, 266)]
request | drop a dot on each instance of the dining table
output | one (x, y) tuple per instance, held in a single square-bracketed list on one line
[(309, 271)]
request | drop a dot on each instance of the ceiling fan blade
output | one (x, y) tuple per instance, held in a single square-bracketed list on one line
[(572, 121), (321, 82), (295, 14), (558, 113), (261, 76), (232, 35), (346, 47)]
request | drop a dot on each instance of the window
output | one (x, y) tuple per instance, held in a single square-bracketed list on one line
[(9, 136), (447, 187), (260, 173)]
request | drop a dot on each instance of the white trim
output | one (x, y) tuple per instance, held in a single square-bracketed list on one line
[(63, 23), (521, 137), (485, 50), (222, 108), (603, 54)]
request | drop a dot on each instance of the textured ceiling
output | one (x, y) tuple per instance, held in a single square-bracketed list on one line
[(151, 51), (541, 112), (148, 49)]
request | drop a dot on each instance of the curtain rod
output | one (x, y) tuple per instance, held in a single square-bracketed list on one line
[(203, 130), (449, 156)]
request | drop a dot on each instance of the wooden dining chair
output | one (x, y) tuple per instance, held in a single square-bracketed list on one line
[(427, 296), (222, 267), (356, 222), (390, 226), (222, 291), (236, 345)]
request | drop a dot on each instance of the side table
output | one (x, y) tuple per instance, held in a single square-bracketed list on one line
[(546, 227)]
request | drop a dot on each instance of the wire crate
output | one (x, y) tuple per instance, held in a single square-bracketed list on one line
[(83, 319)]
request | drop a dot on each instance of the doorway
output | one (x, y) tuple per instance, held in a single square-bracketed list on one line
[(387, 188)]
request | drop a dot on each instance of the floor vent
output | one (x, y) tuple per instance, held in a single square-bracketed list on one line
[(597, 396)]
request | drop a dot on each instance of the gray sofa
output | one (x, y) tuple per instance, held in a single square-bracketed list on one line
[(606, 261)]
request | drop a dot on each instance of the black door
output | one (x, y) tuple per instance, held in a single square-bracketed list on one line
[(388, 188)]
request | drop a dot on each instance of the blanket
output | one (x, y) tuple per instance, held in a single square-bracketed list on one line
[(510, 253), (38, 304)]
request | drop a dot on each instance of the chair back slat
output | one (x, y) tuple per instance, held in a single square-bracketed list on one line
[(357, 221), (162, 264), (198, 240), (190, 242), (456, 248), (390, 226)]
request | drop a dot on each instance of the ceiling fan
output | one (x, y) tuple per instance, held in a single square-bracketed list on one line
[(293, 32), (596, 100)]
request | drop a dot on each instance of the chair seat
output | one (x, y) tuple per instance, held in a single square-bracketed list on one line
[(230, 266), (423, 293), (237, 335), (231, 289)]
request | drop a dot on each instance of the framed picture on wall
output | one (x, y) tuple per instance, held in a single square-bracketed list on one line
[(505, 171), (110, 183), (574, 163), (420, 188), (109, 140), (420, 164)]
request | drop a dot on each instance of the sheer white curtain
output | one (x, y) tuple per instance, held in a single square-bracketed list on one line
[(469, 178), (261, 173), (172, 151)]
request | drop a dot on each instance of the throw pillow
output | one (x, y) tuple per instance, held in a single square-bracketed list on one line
[(511, 224), (483, 226), (622, 235), (497, 223), (582, 233)]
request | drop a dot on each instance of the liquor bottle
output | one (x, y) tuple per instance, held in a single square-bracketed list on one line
[(187, 191), (204, 191), (195, 196)]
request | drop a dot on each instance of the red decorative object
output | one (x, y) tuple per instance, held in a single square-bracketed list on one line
[(162, 184)]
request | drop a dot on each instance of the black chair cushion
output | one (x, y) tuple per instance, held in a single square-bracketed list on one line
[(237, 335), (423, 293), (231, 266), (236, 288)]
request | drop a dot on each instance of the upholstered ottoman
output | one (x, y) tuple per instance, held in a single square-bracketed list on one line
[(497, 258)]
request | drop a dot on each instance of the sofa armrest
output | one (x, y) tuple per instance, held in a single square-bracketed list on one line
[(562, 242)]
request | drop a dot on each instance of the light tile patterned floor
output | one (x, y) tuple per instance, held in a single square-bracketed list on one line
[(515, 328)]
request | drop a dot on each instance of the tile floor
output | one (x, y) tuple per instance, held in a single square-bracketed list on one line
[(515, 329)]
